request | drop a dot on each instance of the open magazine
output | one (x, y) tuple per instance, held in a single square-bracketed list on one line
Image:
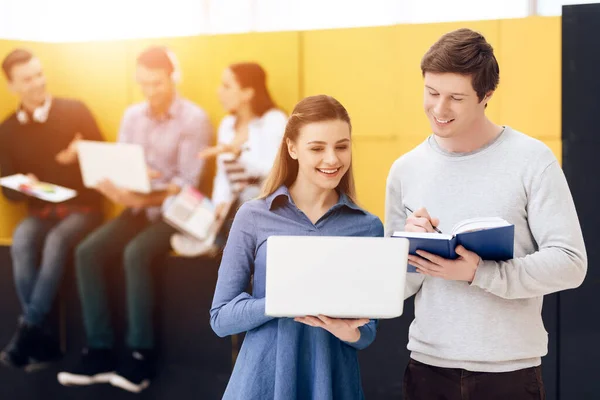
[(192, 213), (41, 190)]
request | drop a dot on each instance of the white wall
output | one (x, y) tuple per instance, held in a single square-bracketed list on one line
[(84, 20)]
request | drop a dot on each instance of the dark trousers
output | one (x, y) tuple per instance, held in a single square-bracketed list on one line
[(425, 382), (140, 242)]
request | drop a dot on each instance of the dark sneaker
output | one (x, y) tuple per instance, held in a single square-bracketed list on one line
[(13, 355), (135, 373), (30, 349), (45, 349), (95, 366)]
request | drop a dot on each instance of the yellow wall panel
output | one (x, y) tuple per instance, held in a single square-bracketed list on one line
[(360, 68), (530, 75), (9, 214), (556, 147), (95, 73), (7, 100), (372, 159)]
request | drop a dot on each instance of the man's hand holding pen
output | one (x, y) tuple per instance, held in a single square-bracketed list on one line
[(461, 269)]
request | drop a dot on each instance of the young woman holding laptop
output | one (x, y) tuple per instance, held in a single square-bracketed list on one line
[(310, 191)]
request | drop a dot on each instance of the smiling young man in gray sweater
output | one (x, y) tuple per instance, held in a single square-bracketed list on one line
[(478, 331)]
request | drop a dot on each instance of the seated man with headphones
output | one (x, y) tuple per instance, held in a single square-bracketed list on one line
[(39, 139), (172, 130)]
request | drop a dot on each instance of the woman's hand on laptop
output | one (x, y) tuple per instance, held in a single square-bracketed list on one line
[(344, 329)]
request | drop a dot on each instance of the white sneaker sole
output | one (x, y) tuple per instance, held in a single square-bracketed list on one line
[(189, 247), (36, 366), (120, 382), (68, 379)]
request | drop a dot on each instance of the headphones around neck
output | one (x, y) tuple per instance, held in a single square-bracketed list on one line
[(39, 115), (176, 74)]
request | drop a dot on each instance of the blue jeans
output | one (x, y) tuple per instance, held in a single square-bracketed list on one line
[(140, 242), (39, 251)]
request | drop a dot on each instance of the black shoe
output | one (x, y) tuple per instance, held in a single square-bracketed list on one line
[(135, 373), (30, 349), (13, 355), (45, 349), (95, 366)]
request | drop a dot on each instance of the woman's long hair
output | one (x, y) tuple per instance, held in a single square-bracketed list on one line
[(252, 75)]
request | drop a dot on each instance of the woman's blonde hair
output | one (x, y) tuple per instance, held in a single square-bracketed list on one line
[(309, 110)]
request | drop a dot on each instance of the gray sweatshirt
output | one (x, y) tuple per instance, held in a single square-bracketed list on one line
[(493, 324)]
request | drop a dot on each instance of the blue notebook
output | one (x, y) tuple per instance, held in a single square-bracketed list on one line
[(491, 238)]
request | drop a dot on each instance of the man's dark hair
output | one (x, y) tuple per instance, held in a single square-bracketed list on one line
[(156, 57), (14, 58), (464, 52)]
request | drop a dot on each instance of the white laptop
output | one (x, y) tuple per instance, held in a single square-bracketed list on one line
[(340, 277), (122, 163)]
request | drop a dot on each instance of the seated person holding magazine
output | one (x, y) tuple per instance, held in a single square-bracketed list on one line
[(248, 140), (38, 141)]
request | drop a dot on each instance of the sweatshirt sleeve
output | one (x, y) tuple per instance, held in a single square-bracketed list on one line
[(561, 260), (395, 219)]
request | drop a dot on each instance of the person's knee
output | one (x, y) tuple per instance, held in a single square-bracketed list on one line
[(136, 256), (25, 238), (57, 242), (56, 249), (22, 246), (86, 251)]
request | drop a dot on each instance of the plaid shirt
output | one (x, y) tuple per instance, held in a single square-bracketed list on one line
[(171, 144)]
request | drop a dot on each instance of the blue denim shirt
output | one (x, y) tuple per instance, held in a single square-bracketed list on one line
[(282, 359)]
